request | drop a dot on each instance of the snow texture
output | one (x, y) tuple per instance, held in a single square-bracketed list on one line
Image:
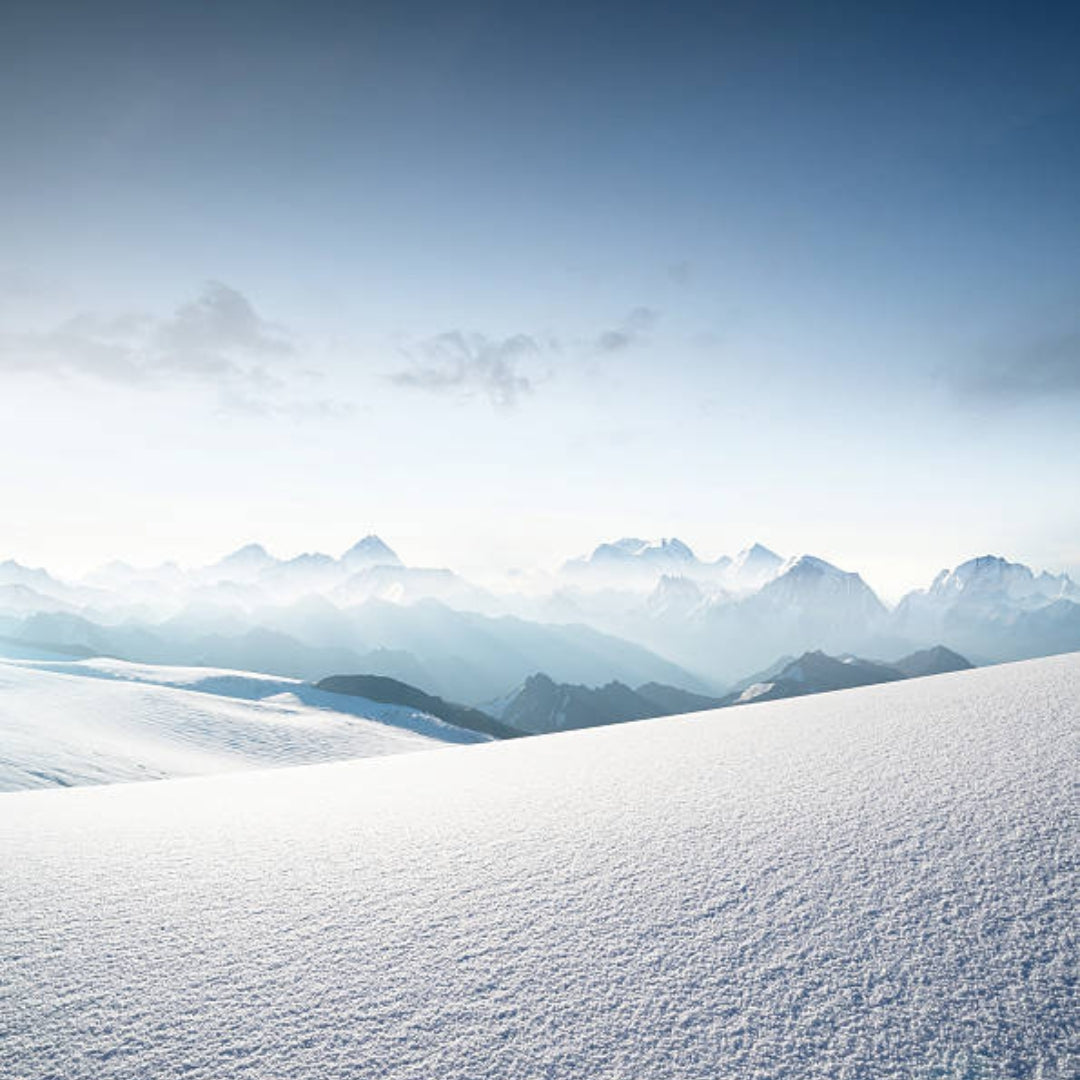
[(872, 883), (100, 721)]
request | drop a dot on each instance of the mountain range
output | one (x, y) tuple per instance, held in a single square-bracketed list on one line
[(540, 705), (632, 611)]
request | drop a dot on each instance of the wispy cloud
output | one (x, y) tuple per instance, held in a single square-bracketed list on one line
[(632, 330), (505, 370), (217, 340), (218, 335), (208, 333), (471, 364)]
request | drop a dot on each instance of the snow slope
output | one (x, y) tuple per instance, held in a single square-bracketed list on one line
[(874, 883), (98, 721)]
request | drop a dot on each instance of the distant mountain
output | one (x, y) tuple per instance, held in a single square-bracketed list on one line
[(670, 700), (815, 673), (244, 565), (368, 552), (809, 604), (753, 567), (462, 655), (630, 562), (23, 600), (674, 596), (41, 582), (630, 549), (991, 581), (408, 585), (767, 674), (634, 563), (541, 705), (935, 661), (309, 572), (722, 620), (632, 611), (995, 610), (388, 691), (14, 573), (809, 587)]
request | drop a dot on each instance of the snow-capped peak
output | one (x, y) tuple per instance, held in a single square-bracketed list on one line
[(753, 566), (370, 551), (986, 574), (809, 565), (248, 555), (993, 579), (667, 549), (806, 579)]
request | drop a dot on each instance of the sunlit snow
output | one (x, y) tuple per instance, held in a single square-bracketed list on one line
[(98, 721), (871, 883)]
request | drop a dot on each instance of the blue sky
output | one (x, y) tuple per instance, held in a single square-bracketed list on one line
[(500, 281)]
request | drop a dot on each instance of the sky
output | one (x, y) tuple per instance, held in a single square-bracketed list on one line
[(501, 281)]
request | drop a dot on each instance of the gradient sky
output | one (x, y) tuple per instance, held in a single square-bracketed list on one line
[(499, 281)]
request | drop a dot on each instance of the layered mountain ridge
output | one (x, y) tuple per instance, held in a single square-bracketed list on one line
[(633, 611), (540, 705)]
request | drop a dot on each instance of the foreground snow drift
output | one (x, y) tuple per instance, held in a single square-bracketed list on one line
[(872, 883), (99, 721)]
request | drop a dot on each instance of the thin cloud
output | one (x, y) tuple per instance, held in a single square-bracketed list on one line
[(506, 370), (631, 331), (218, 336), (470, 364), (220, 323), (217, 341)]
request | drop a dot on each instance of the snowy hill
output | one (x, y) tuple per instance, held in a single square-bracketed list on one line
[(879, 883), (65, 723)]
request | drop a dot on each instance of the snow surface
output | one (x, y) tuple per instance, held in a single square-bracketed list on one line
[(873, 883), (98, 721)]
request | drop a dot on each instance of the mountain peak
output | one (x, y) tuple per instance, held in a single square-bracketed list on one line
[(632, 547), (368, 551), (985, 575), (757, 551), (249, 553), (755, 565), (810, 565), (933, 661)]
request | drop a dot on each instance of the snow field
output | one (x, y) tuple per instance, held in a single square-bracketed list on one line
[(872, 883)]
